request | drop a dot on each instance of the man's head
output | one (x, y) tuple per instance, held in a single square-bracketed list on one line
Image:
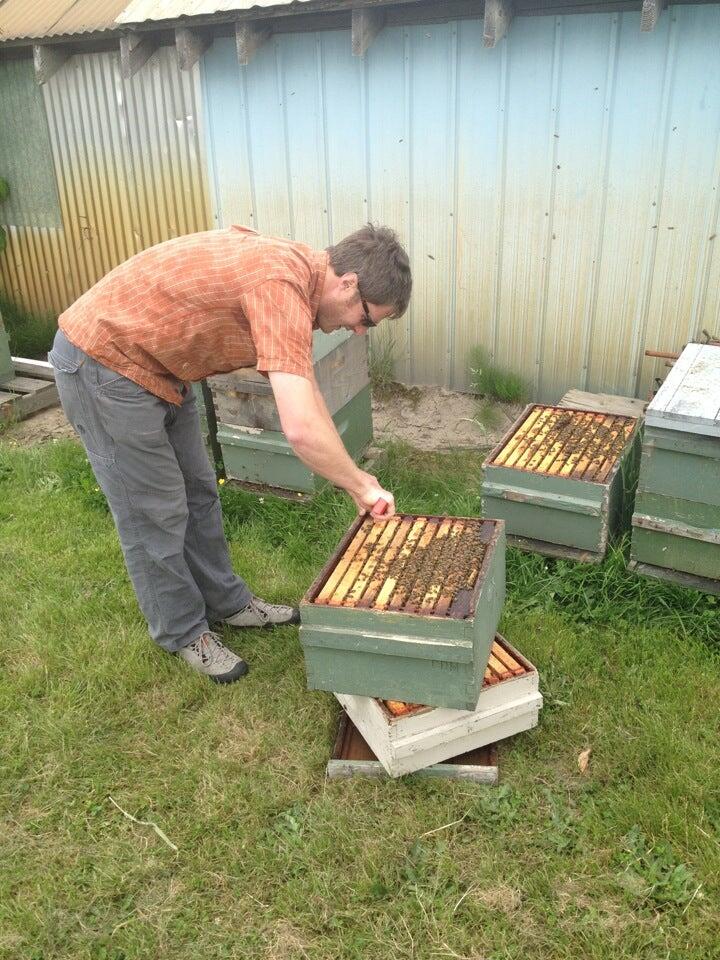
[(368, 280)]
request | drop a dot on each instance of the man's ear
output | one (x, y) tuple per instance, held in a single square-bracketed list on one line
[(349, 281)]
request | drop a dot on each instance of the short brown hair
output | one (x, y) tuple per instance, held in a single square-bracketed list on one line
[(380, 262)]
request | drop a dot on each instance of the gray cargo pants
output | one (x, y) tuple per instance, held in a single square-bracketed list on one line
[(150, 461)]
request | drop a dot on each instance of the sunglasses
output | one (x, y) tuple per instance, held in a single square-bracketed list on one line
[(367, 321)]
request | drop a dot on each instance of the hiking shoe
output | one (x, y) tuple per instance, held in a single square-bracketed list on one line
[(260, 613), (210, 657)]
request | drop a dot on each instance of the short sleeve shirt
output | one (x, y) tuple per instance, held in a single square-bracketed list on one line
[(203, 304)]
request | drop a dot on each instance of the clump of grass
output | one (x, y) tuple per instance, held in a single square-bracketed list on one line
[(608, 593), (30, 334), (653, 874), (382, 364), (493, 382)]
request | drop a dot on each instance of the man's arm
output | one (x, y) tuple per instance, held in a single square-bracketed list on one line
[(311, 433)]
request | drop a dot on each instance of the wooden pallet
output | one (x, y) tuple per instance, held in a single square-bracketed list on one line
[(32, 388)]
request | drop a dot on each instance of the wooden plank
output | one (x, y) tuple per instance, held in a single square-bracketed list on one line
[(40, 369), (23, 384), (689, 399), (689, 580), (249, 37), (365, 26), (17, 406), (190, 46), (650, 14), (603, 403), (498, 14), (385, 564), (365, 575), (404, 590), (47, 60), (135, 50)]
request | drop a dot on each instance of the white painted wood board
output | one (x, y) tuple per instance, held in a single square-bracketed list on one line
[(604, 403), (412, 742), (344, 769), (415, 752), (689, 399)]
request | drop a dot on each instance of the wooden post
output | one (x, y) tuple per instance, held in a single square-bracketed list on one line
[(47, 60), (249, 37), (650, 14), (366, 24), (135, 50), (190, 46), (498, 14)]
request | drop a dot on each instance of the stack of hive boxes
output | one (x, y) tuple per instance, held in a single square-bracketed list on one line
[(250, 435), (676, 523), (401, 626)]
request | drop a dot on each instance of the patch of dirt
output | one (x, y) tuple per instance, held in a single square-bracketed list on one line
[(48, 424), (433, 418), (429, 418)]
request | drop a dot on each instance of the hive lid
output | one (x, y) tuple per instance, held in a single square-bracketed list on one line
[(564, 442), (422, 565), (689, 399)]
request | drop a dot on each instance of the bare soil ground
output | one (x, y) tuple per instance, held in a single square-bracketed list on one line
[(429, 418)]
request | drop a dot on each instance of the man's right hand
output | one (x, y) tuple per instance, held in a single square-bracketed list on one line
[(369, 496)]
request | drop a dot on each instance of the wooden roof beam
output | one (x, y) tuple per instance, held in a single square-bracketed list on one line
[(498, 14), (250, 35), (650, 14), (47, 60), (190, 46), (366, 24), (135, 50)]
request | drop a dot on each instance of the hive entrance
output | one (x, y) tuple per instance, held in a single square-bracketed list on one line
[(576, 444), (424, 565)]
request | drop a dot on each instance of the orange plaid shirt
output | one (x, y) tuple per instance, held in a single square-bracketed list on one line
[(203, 304)]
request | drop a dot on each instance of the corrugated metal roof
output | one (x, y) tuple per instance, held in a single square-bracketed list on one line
[(51, 18), (138, 11)]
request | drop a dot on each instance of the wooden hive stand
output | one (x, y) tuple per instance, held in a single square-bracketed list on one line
[(26, 386)]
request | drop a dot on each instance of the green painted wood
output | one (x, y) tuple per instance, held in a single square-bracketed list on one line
[(439, 661), (577, 514), (678, 510), (6, 365), (265, 457), (683, 467), (675, 553)]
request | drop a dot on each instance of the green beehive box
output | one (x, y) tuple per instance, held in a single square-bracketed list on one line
[(253, 446), (562, 479), (676, 522), (407, 610)]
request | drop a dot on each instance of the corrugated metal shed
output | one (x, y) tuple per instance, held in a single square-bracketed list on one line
[(138, 11), (52, 18), (130, 170), (558, 194)]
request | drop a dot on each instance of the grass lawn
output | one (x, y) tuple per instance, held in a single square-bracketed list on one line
[(272, 861)]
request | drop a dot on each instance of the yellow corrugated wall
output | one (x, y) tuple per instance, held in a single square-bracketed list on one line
[(130, 173)]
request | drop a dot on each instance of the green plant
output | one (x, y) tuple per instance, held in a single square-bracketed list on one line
[(653, 874), (30, 334), (493, 382), (382, 363)]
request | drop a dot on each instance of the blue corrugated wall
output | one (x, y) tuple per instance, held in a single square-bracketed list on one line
[(557, 194)]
